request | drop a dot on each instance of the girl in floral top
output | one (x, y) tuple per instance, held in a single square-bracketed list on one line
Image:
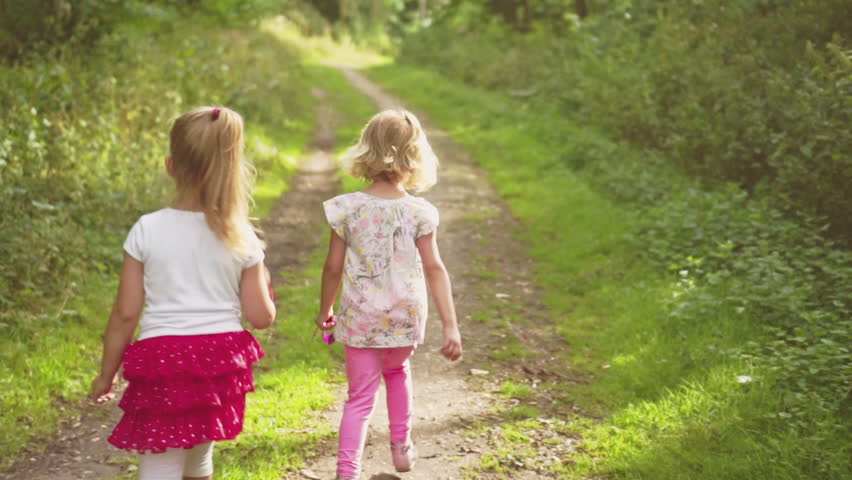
[(384, 248)]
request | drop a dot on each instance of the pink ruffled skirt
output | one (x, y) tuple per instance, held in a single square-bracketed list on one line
[(185, 390)]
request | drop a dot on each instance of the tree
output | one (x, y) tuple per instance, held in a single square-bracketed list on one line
[(582, 8)]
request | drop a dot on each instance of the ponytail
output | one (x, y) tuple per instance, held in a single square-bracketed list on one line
[(207, 158)]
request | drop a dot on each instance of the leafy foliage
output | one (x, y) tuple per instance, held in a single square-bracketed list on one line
[(39, 25), (85, 131), (753, 92), (85, 137), (726, 323)]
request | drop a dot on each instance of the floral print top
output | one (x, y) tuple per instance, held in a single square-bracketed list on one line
[(384, 301)]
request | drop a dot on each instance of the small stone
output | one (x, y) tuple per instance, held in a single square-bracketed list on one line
[(476, 371), (307, 473)]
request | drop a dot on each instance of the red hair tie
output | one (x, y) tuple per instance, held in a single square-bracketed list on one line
[(216, 112)]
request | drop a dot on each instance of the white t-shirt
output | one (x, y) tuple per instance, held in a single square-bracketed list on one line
[(192, 280)]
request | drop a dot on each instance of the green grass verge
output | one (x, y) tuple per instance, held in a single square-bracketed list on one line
[(46, 368), (49, 352), (678, 398), (294, 386)]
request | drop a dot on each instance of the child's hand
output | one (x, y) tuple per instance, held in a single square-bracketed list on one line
[(101, 389), (452, 349), (325, 321)]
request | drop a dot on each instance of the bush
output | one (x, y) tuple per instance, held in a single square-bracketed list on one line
[(752, 92), (85, 135), (36, 26), (778, 271), (680, 287)]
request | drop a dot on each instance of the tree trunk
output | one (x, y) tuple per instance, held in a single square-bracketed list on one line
[(582, 8), (422, 10), (377, 14), (346, 10), (508, 9)]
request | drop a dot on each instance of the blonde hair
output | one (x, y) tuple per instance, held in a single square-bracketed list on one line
[(393, 147), (207, 159)]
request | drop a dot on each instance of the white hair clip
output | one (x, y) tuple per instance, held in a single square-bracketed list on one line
[(390, 158)]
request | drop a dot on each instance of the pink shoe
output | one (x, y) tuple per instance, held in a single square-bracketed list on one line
[(404, 455), (341, 477)]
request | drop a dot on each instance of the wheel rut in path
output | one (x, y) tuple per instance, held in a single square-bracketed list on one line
[(296, 224), (293, 230), (449, 401)]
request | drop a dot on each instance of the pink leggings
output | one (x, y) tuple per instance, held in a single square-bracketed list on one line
[(364, 369)]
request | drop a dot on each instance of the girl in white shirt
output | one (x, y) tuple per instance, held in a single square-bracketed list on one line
[(191, 271), (383, 245)]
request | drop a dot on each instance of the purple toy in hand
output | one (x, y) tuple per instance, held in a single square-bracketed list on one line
[(328, 335)]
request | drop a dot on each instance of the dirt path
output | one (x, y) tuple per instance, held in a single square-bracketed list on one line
[(79, 450), (476, 234), (296, 224)]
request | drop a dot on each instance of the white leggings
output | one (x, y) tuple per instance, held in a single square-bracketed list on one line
[(176, 463)]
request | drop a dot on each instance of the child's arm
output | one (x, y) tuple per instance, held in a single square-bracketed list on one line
[(255, 298), (332, 273), (442, 292), (122, 323)]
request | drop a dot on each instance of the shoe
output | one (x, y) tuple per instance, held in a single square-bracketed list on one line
[(404, 455), (341, 477)]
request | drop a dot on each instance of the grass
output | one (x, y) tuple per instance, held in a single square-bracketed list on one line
[(520, 391), (323, 50), (45, 369), (48, 355), (667, 389), (279, 157), (294, 385)]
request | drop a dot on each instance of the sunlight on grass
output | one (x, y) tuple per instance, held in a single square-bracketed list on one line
[(45, 372), (665, 385), (512, 389), (323, 49), (678, 432), (295, 383), (275, 163)]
